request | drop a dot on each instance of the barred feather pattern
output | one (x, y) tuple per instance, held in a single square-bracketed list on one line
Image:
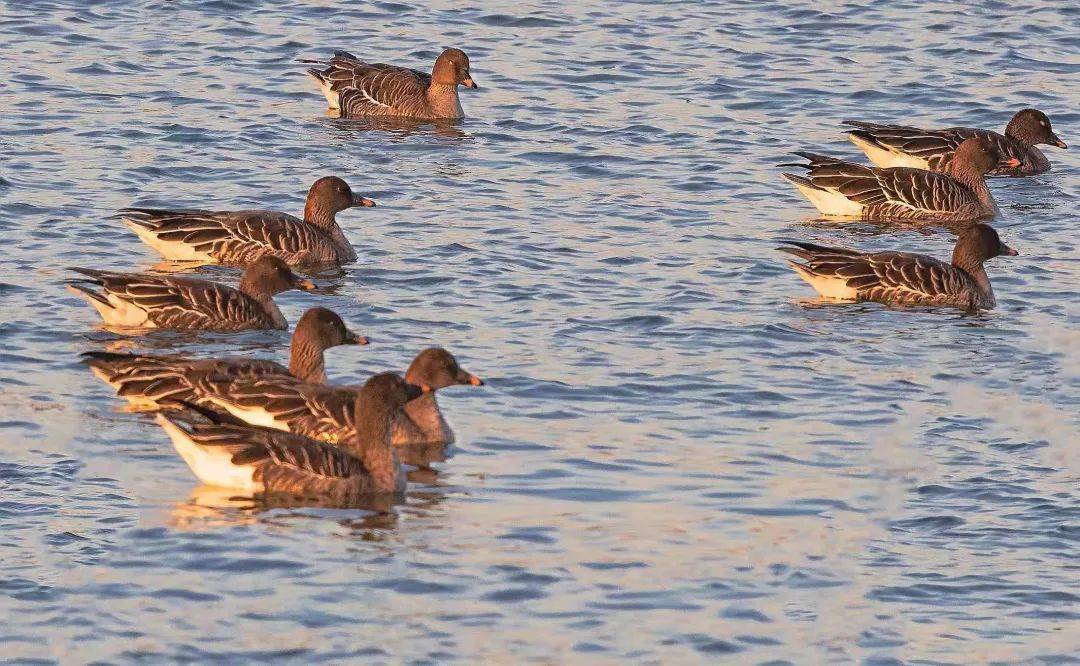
[(186, 303), (938, 147), (318, 411), (378, 89), (167, 379), (241, 237), (894, 277), (896, 193)]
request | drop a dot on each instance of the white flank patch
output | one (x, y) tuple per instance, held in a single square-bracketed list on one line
[(253, 415), (211, 465), (173, 250), (829, 287), (332, 97), (884, 158), (830, 202), (125, 313), (117, 313)]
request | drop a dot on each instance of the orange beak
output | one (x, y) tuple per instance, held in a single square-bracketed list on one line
[(469, 83), (362, 201), (306, 285), (1012, 163), (475, 381)]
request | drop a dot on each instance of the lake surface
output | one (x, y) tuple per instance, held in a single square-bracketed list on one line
[(681, 454)]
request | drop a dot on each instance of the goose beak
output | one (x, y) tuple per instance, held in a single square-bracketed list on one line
[(306, 285), (362, 201), (1009, 251), (355, 339), (469, 83), (468, 378)]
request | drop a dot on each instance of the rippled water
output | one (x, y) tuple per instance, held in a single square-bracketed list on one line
[(680, 456)]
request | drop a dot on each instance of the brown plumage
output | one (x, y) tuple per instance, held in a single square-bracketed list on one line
[(143, 300), (903, 278), (902, 145), (434, 368), (324, 412), (847, 189), (159, 380), (361, 89), (241, 237), (270, 462)]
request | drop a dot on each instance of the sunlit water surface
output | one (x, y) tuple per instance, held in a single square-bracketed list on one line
[(680, 456)]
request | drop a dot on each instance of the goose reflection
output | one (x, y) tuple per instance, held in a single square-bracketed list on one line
[(212, 507), (398, 129), (371, 518)]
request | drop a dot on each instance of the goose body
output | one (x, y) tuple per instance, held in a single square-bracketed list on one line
[(359, 89), (324, 412), (845, 189), (148, 380), (904, 146), (903, 278), (263, 461), (242, 237), (142, 300)]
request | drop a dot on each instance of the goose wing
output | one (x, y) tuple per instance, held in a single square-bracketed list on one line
[(925, 144), (241, 234), (282, 400), (372, 88), (284, 462), (871, 186), (168, 378), (181, 303), (882, 276)]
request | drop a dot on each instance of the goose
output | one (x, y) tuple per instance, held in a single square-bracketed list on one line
[(904, 146), (902, 278), (267, 462), (157, 381), (142, 300), (241, 237), (324, 412), (846, 189), (359, 89)]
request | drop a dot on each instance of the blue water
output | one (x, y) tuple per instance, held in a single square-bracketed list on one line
[(681, 454)]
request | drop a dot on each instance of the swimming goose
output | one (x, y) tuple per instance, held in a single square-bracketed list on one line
[(847, 189), (904, 146), (164, 301), (263, 461), (324, 412), (154, 380), (241, 237), (434, 369), (359, 89), (902, 278)]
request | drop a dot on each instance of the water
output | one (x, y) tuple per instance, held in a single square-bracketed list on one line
[(681, 455)]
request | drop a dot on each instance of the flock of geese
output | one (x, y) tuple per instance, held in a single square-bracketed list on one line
[(266, 429), (935, 176)]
